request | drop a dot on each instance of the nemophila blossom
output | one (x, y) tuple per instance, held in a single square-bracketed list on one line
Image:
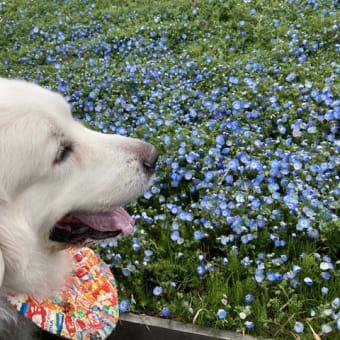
[(326, 265), (308, 281), (126, 272), (249, 298), (221, 313), (249, 324), (198, 235), (271, 276), (313, 233), (158, 290), (200, 270), (303, 223), (233, 164), (180, 255), (326, 329), (175, 235), (299, 327), (294, 283), (324, 290), (165, 311), (148, 252), (336, 303), (325, 275), (296, 269), (220, 140), (327, 312), (259, 276), (291, 76), (210, 267), (124, 305)]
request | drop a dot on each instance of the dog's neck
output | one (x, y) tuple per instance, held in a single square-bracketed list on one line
[(40, 274)]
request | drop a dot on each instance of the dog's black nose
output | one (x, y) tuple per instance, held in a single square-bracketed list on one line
[(149, 159)]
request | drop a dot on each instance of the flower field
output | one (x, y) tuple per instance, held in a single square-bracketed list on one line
[(240, 229)]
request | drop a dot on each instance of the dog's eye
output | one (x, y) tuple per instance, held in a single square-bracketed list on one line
[(64, 151)]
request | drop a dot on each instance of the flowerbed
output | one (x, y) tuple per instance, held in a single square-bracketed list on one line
[(240, 229)]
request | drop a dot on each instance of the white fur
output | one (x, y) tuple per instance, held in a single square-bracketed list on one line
[(102, 173)]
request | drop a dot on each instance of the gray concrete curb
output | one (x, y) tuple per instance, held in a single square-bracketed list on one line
[(143, 327), (133, 327)]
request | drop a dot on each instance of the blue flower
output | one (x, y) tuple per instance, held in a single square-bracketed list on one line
[(326, 329), (233, 80), (165, 311), (324, 290), (239, 197), (259, 277), (198, 235), (303, 223), (312, 233), (291, 76), (325, 275), (336, 303), (126, 272), (233, 164), (157, 291), (298, 327), (175, 235), (200, 270), (229, 179), (225, 261), (124, 305), (249, 324), (167, 140), (295, 283), (296, 269), (308, 281), (148, 252), (221, 313), (220, 140), (208, 104), (271, 276), (249, 298)]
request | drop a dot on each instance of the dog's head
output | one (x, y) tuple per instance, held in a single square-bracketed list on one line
[(61, 184)]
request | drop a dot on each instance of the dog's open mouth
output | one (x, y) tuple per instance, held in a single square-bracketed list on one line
[(78, 227)]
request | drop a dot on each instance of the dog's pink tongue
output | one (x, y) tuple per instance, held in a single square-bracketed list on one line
[(119, 219)]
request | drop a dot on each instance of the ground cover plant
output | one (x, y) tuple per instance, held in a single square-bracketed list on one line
[(240, 229)]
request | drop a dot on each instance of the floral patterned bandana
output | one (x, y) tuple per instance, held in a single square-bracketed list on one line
[(85, 309)]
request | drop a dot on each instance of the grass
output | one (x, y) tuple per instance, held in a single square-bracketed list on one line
[(263, 77)]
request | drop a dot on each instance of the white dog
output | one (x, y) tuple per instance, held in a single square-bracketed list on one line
[(61, 185)]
